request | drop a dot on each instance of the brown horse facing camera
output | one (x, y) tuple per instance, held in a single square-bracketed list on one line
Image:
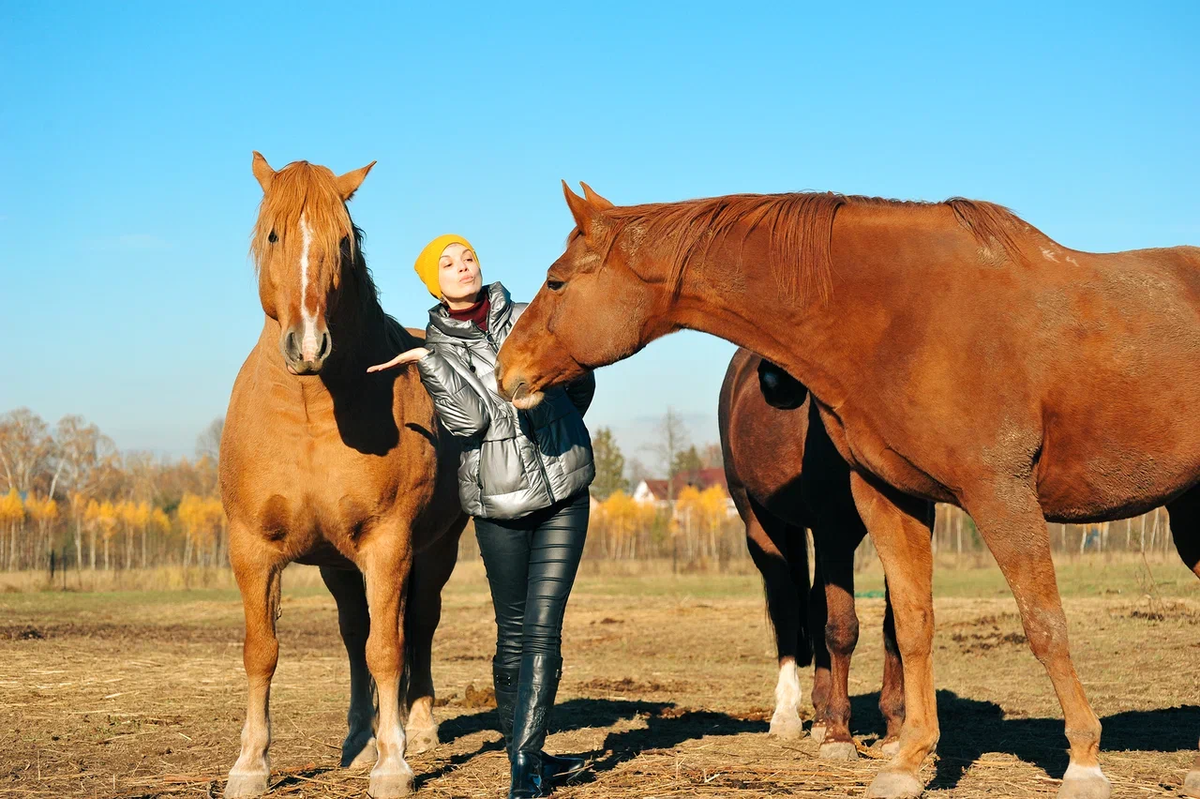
[(785, 476), (1068, 393), (324, 464)]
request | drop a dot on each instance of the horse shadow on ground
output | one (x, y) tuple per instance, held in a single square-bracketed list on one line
[(970, 728)]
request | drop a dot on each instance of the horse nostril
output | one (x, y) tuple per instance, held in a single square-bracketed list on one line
[(326, 346)]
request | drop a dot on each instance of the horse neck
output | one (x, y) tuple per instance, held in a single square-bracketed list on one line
[(362, 332), (732, 293)]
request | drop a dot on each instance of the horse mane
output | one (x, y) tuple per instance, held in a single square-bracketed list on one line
[(311, 190), (800, 225)]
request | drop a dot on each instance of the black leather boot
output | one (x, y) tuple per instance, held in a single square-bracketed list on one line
[(555, 770), (504, 680), (535, 773)]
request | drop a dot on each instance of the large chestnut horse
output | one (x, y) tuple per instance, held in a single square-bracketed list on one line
[(785, 476), (955, 354), (324, 464)]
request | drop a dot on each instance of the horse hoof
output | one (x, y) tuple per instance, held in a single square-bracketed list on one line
[(246, 784), (359, 753), (1084, 783), (1191, 784), (890, 748), (818, 733), (419, 741), (841, 751), (895, 785), (390, 785), (786, 726)]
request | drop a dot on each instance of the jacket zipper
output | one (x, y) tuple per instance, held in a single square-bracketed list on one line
[(537, 447)]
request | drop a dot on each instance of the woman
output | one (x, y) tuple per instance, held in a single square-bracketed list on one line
[(524, 477)]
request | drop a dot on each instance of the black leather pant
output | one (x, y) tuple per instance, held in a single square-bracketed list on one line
[(531, 564)]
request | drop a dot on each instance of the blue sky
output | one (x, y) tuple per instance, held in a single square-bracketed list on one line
[(126, 197)]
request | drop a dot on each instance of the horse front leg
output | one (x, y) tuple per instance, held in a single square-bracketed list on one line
[(386, 563), (257, 567), (354, 623), (899, 528)]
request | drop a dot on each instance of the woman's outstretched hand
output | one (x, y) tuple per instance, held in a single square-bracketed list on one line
[(411, 356)]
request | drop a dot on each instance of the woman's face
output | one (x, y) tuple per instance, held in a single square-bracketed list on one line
[(458, 275)]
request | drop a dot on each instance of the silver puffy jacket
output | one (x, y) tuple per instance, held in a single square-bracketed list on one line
[(513, 462)]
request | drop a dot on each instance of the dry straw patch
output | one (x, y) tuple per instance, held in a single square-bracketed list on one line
[(668, 688)]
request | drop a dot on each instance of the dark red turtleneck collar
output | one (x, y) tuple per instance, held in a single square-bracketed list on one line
[(477, 313)]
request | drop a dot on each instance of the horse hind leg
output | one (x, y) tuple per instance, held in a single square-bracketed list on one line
[(766, 538), (835, 553), (257, 567), (1185, 528), (1010, 521), (348, 590), (423, 611)]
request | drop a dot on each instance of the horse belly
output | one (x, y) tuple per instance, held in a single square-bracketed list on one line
[(1082, 478)]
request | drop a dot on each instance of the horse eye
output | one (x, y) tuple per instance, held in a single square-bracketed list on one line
[(272, 237), (554, 285)]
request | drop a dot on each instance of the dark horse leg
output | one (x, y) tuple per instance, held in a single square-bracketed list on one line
[(837, 531), (1185, 527), (431, 570), (354, 623), (780, 551), (835, 560)]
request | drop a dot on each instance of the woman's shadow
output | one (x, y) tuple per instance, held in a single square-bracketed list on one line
[(666, 727)]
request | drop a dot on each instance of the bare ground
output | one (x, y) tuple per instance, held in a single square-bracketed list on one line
[(668, 687)]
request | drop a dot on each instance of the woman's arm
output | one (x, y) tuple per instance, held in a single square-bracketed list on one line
[(459, 400)]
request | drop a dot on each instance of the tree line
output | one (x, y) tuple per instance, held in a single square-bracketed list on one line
[(69, 497)]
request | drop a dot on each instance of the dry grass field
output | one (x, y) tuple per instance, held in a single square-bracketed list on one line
[(668, 688)]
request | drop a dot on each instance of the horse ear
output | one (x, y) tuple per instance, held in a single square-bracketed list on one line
[(595, 199), (262, 170), (586, 216), (348, 183)]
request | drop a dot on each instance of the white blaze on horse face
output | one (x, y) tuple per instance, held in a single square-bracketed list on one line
[(308, 339)]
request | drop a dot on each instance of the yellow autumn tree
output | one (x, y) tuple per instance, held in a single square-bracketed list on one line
[(712, 504), (158, 523), (43, 512), (687, 521), (101, 519), (12, 518), (620, 515), (201, 519), (134, 516)]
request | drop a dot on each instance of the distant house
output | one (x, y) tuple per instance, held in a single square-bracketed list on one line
[(656, 492), (651, 492)]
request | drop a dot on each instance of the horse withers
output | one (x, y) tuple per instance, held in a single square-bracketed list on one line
[(785, 476), (1066, 393), (324, 464)]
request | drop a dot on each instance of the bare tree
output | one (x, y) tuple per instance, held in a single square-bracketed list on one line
[(671, 438), (208, 443), (83, 451), (26, 449), (637, 472), (711, 456)]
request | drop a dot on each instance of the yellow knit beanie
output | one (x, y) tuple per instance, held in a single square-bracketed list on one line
[(427, 265)]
